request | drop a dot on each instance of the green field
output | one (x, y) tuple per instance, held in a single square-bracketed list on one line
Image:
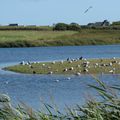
[(75, 67), (34, 38)]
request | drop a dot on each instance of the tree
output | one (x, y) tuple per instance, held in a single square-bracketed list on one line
[(61, 26), (116, 23), (74, 26)]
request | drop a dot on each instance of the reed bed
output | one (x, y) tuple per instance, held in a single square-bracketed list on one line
[(108, 108)]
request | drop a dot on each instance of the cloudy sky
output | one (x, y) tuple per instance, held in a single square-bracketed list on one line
[(48, 12)]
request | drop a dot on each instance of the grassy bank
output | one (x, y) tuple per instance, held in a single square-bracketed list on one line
[(106, 109), (73, 66), (28, 28), (33, 38)]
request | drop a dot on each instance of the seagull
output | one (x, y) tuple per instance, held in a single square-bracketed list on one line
[(57, 81), (6, 82), (68, 78), (88, 9), (78, 74)]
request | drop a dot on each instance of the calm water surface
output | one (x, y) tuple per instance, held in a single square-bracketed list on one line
[(31, 89)]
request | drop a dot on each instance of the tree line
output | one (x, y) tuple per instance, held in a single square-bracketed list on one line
[(64, 26)]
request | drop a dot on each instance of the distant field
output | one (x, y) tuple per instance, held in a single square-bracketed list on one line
[(8, 36), (33, 38), (30, 27)]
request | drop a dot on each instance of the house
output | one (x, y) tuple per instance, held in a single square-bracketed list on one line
[(90, 24), (14, 24), (105, 23), (99, 24)]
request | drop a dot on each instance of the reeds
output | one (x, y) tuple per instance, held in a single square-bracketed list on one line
[(107, 108)]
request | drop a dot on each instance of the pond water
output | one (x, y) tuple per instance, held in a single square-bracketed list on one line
[(32, 89)]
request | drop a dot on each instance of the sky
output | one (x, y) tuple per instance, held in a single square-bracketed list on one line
[(49, 12)]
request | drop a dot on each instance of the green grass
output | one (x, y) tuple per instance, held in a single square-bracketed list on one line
[(29, 27), (33, 38), (29, 38), (108, 108), (31, 35), (78, 67)]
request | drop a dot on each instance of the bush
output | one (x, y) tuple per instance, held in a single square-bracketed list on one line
[(64, 26), (74, 26), (60, 26), (116, 23)]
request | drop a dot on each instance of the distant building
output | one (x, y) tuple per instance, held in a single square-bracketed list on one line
[(90, 24), (99, 24), (105, 23), (13, 24)]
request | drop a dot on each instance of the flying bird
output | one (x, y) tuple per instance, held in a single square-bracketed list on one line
[(88, 9)]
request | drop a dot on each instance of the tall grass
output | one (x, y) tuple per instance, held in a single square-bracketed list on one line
[(33, 38), (108, 108)]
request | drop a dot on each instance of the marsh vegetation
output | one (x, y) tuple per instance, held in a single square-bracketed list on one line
[(33, 38)]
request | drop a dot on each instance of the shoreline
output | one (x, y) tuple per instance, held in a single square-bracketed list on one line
[(63, 46), (69, 45)]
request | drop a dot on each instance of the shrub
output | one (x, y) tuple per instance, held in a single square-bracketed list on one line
[(74, 26), (116, 23), (60, 26), (64, 26)]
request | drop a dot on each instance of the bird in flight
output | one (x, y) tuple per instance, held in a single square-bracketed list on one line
[(88, 9)]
